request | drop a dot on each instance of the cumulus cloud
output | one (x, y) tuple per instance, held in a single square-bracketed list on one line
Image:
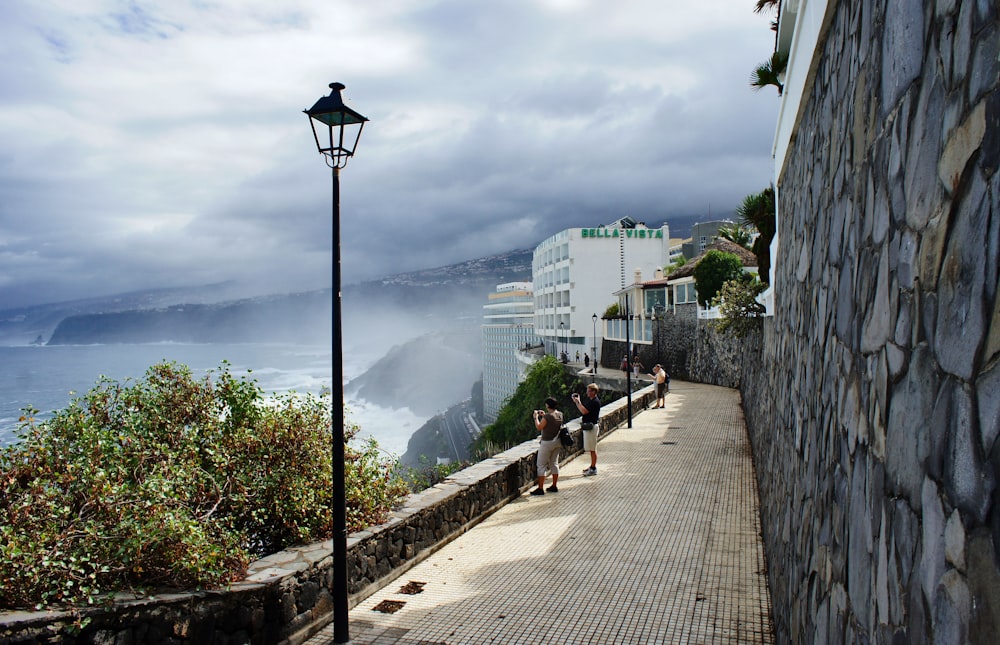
[(150, 143)]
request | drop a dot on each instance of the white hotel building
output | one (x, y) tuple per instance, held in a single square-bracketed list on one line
[(507, 328), (576, 273)]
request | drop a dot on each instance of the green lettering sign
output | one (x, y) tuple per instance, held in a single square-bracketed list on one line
[(639, 233)]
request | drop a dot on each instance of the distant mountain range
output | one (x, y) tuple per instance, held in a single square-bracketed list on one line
[(210, 314), (293, 318), (466, 282), (224, 311)]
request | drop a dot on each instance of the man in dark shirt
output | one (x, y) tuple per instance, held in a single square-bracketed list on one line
[(590, 407)]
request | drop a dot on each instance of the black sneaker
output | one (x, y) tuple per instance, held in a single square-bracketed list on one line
[(553, 489), (538, 491)]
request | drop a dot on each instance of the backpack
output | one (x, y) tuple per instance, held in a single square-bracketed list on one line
[(565, 438)]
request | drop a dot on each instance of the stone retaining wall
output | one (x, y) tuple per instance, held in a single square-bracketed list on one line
[(286, 598), (674, 339), (873, 396)]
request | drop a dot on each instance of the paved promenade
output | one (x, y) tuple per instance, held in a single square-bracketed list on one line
[(662, 546)]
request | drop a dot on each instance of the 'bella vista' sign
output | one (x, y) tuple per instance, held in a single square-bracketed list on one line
[(628, 232)]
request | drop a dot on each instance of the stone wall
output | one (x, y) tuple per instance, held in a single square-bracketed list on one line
[(674, 339), (285, 597), (874, 403)]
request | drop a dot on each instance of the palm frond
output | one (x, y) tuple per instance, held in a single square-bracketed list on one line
[(769, 72), (766, 5)]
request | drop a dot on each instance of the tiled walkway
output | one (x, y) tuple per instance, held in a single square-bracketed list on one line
[(662, 546)]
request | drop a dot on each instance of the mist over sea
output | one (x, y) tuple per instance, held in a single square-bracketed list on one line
[(48, 377)]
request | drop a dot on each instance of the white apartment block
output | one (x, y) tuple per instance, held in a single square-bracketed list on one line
[(508, 327), (576, 273)]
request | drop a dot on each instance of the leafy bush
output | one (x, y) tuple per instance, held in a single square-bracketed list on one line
[(172, 482), (737, 302), (715, 269)]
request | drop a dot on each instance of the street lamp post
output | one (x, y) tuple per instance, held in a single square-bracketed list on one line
[(628, 362), (337, 130), (593, 348)]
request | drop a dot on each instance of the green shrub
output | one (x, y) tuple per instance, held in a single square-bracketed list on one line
[(737, 302), (515, 423), (715, 269), (172, 482)]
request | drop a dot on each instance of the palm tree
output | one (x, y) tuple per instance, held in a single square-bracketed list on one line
[(770, 72), (737, 234), (758, 211), (768, 6), (676, 264)]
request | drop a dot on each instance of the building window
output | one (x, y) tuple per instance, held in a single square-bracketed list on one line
[(685, 293)]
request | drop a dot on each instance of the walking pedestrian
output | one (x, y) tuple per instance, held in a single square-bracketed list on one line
[(660, 377), (586, 361), (548, 422), (590, 407)]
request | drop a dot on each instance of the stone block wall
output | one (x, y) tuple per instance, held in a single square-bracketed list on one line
[(874, 401), (674, 338), (286, 596)]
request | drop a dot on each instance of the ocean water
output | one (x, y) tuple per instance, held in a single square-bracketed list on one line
[(47, 378)]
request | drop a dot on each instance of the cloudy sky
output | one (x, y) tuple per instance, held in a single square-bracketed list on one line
[(156, 143)]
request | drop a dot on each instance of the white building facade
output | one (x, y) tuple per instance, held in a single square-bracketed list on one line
[(576, 273), (508, 327)]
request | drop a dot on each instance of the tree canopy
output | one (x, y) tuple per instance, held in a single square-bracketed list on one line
[(715, 269)]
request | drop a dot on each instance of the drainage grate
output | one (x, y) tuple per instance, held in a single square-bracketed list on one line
[(389, 606), (412, 587)]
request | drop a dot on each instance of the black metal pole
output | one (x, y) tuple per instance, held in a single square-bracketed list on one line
[(628, 362), (341, 626), (593, 348)]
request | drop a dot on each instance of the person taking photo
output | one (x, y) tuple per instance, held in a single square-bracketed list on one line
[(590, 407), (548, 422)]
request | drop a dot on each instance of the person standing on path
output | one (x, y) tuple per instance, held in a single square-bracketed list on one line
[(548, 422), (591, 410), (660, 377)]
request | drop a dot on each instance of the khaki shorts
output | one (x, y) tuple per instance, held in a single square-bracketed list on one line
[(590, 438)]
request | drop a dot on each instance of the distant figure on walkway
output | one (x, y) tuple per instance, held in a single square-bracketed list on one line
[(548, 422), (636, 368), (624, 366), (591, 410), (577, 356), (586, 361), (660, 377)]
